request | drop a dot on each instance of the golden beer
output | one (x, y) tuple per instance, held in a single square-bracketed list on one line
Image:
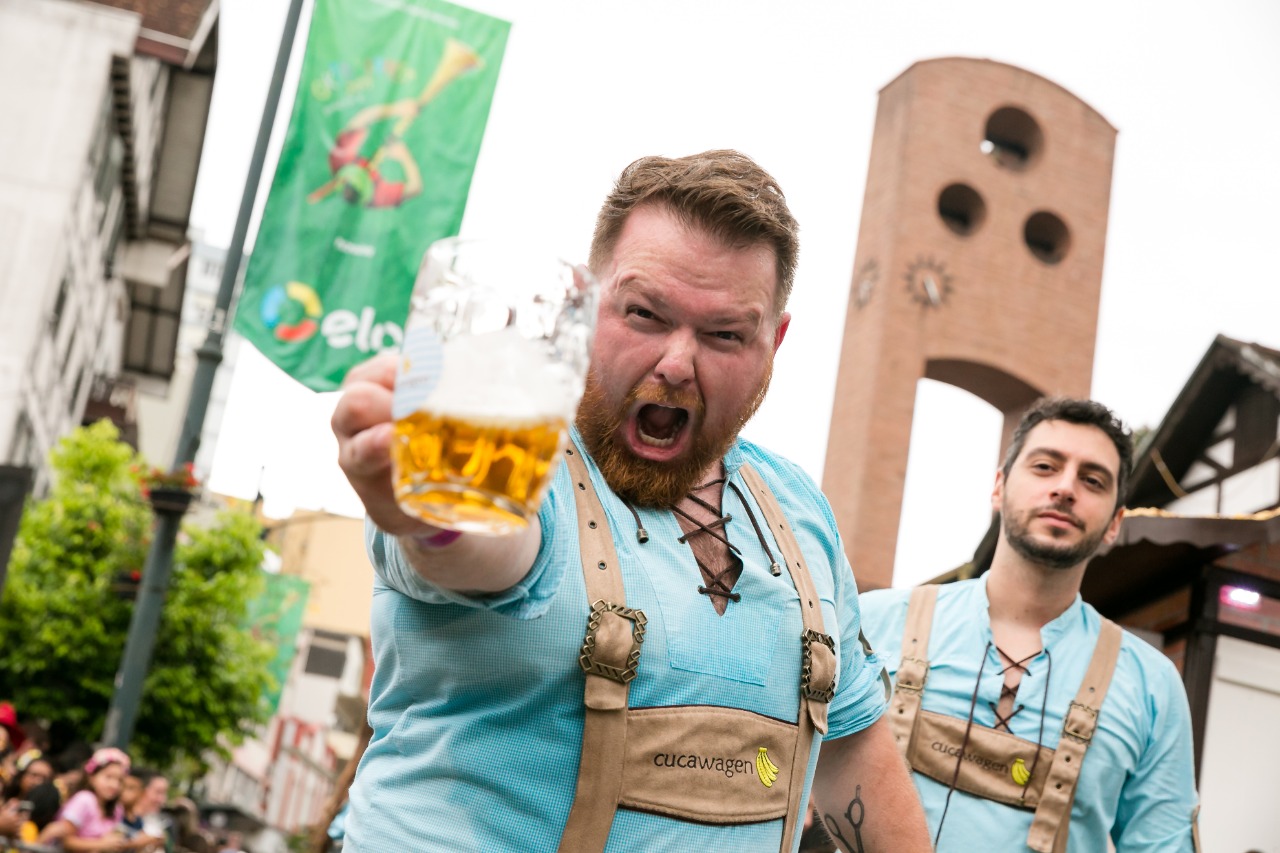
[(492, 366), (476, 474)]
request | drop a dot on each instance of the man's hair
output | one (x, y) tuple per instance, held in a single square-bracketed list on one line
[(144, 775), (724, 193), (1084, 413)]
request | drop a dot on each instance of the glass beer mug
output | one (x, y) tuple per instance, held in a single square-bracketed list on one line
[(492, 367)]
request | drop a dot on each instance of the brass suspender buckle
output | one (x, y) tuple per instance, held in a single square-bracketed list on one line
[(587, 661), (1080, 726), (818, 692), (913, 674)]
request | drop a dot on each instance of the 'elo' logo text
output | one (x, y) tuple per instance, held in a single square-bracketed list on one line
[(293, 313)]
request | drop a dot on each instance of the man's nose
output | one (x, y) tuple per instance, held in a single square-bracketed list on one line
[(1064, 486), (677, 367)]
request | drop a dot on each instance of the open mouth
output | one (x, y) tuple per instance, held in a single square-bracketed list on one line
[(660, 426)]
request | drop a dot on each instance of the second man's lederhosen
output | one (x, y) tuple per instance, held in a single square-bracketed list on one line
[(992, 764), (654, 759)]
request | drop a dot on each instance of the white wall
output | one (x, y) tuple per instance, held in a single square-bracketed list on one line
[(1255, 489), (1240, 778)]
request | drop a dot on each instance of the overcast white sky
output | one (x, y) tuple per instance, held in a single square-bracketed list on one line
[(586, 87)]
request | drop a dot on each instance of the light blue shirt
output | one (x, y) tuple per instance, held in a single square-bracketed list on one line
[(1136, 783), (476, 704)]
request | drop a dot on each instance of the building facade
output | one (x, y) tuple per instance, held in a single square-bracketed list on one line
[(284, 777), (97, 176), (1198, 566)]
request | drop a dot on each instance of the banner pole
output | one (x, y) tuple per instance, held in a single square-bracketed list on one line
[(122, 713)]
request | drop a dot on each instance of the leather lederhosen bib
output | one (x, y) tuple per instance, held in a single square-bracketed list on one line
[(700, 763), (992, 764)]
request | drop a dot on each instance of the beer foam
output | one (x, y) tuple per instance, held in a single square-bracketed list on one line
[(503, 376)]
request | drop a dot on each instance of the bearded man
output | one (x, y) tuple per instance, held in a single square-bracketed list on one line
[(1032, 722), (654, 664)]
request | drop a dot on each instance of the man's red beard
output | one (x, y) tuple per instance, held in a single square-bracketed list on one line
[(645, 482)]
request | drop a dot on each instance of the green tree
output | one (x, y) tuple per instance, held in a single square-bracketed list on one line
[(64, 616)]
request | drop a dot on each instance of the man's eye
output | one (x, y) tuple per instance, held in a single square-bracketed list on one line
[(642, 313), (727, 336)]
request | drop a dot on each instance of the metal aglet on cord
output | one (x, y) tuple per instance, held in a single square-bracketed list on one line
[(774, 568), (642, 535)]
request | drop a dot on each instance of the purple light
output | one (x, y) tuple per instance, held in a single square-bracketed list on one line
[(1238, 596)]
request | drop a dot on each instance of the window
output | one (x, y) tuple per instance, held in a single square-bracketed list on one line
[(60, 303), (961, 209), (1012, 138), (1046, 236), (71, 340), (112, 243), (108, 176), (75, 392), (327, 654)]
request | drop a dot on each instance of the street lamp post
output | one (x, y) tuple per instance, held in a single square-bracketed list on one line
[(159, 565)]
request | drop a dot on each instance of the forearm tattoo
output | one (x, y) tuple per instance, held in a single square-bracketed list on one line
[(854, 815)]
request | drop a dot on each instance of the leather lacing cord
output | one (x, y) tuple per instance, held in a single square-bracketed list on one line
[(973, 703), (1005, 690), (716, 586), (774, 568)]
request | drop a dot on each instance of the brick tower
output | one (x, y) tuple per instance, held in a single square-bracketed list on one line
[(979, 264)]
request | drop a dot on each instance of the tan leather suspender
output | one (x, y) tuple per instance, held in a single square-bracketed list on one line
[(1052, 822), (819, 666), (613, 769), (913, 671), (1051, 794), (610, 655)]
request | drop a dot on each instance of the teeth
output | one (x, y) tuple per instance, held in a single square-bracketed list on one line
[(672, 423), (656, 442)]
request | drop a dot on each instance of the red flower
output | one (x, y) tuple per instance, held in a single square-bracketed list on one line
[(182, 478)]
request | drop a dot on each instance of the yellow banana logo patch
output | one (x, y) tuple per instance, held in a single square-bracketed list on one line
[(765, 767), (1019, 772)]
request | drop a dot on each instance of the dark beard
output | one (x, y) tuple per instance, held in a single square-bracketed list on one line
[(644, 482), (1048, 555)]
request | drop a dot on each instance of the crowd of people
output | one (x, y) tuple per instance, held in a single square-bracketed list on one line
[(78, 800), (83, 800)]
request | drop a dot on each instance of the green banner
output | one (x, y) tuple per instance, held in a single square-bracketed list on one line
[(276, 617), (376, 165)]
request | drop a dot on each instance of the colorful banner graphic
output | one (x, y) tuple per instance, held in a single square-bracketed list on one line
[(376, 165)]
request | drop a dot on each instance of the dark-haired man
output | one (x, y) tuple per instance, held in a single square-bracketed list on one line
[(496, 726), (1030, 721)]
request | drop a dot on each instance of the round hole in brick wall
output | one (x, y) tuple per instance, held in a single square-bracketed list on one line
[(1046, 236), (961, 209), (1012, 139)]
